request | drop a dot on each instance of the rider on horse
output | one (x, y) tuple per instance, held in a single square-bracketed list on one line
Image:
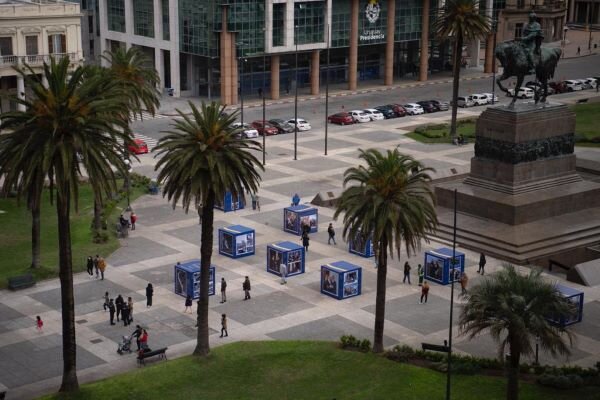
[(531, 40)]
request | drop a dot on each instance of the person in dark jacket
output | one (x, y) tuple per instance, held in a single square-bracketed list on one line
[(246, 287), (137, 334), (125, 314), (90, 266), (119, 304), (406, 273), (223, 290), (224, 325), (149, 294), (331, 233), (482, 262), (305, 241), (111, 310)]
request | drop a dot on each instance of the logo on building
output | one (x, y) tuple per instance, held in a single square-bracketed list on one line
[(372, 11)]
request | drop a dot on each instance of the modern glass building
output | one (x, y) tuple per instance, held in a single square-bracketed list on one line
[(216, 48)]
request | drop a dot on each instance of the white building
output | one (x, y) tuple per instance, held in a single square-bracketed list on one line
[(32, 31)]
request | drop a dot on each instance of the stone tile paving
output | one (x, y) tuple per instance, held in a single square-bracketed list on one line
[(293, 311)]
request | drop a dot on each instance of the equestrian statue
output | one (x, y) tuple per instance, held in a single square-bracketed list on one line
[(525, 56)]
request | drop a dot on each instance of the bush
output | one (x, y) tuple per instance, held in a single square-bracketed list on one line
[(352, 343), (138, 180), (434, 134), (365, 345), (571, 381)]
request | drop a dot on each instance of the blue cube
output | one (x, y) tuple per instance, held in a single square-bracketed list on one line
[(440, 268), (230, 202), (187, 279), (361, 245), (288, 253), (236, 241), (341, 280), (296, 217), (575, 299)]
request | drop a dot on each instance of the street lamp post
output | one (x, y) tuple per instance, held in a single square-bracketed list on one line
[(448, 385), (327, 90), (564, 41), (241, 61), (495, 26), (264, 108), (296, 97)]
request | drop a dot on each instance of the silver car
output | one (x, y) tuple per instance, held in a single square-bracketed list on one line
[(248, 132)]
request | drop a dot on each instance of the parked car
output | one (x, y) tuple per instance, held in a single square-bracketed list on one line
[(303, 124), (537, 86), (558, 87), (138, 147), (584, 83), (374, 114), (413, 109), (281, 125), (492, 98), (387, 111), (524, 93), (464, 101), (593, 82), (247, 131), (479, 99), (573, 85), (342, 118), (441, 105), (265, 128), (360, 116), (398, 109), (428, 106)]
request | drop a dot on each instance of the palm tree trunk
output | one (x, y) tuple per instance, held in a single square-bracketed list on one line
[(206, 244), (35, 234), (69, 379), (97, 215), (458, 43), (380, 297), (512, 372)]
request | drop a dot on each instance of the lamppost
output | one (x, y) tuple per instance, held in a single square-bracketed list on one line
[(241, 61), (296, 97), (451, 301), (495, 27), (264, 106), (327, 90), (564, 41)]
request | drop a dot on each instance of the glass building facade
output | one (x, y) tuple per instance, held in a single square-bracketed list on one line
[(143, 18), (116, 15), (309, 22)]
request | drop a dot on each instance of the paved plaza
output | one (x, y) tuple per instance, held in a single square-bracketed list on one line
[(30, 362)]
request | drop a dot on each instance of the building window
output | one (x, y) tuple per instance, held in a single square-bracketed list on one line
[(197, 25), (116, 15), (57, 44), (165, 20), (518, 30), (91, 47), (143, 18), (6, 48), (31, 45), (309, 22), (90, 23), (278, 24), (521, 4)]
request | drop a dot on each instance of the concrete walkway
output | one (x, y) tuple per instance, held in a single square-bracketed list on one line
[(30, 362)]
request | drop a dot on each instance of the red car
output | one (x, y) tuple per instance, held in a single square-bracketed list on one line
[(265, 128), (138, 147), (398, 109), (342, 118)]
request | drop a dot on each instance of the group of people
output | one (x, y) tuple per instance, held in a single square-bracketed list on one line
[(97, 265), (119, 307), (126, 223)]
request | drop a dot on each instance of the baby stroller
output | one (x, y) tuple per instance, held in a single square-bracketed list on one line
[(125, 345)]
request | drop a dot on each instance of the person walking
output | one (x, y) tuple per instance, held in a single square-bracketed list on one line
[(106, 301), (130, 305), (407, 269), (223, 290), (283, 272), (224, 325), (39, 324), (464, 280), (96, 265), (125, 314), (90, 266), (102, 267), (111, 310), (305, 241), (421, 273), (188, 304), (424, 292), (257, 201), (578, 50), (149, 294), (144, 340), (482, 262), (331, 233), (133, 219), (246, 287), (137, 334), (119, 305)]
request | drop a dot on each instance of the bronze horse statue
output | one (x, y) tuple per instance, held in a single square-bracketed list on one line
[(515, 62)]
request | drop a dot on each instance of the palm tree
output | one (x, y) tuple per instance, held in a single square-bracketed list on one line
[(66, 117), (202, 160), (461, 21), (514, 309), (390, 199)]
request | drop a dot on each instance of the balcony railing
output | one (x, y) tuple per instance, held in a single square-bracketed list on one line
[(33, 60)]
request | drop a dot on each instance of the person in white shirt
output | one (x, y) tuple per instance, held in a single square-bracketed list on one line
[(283, 272)]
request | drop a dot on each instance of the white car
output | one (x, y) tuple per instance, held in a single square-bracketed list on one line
[(464, 102), (359, 116), (492, 98), (413, 109), (374, 114), (573, 85), (593, 82), (524, 93), (585, 84), (248, 131), (303, 124), (479, 99)]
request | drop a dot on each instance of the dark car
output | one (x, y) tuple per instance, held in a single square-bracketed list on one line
[(559, 87), (386, 111), (428, 106), (342, 118), (282, 126), (441, 105), (399, 110), (265, 128)]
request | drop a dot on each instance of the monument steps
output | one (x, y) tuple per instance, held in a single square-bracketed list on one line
[(522, 189)]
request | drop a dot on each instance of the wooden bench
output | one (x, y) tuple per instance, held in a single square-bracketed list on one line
[(21, 282), (161, 353), (435, 347)]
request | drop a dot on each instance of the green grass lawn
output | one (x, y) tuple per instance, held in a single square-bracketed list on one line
[(15, 235), (300, 370), (588, 120)]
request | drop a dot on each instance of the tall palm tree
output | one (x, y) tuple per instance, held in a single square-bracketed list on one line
[(460, 21), (514, 308), (390, 199), (66, 117), (202, 160)]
